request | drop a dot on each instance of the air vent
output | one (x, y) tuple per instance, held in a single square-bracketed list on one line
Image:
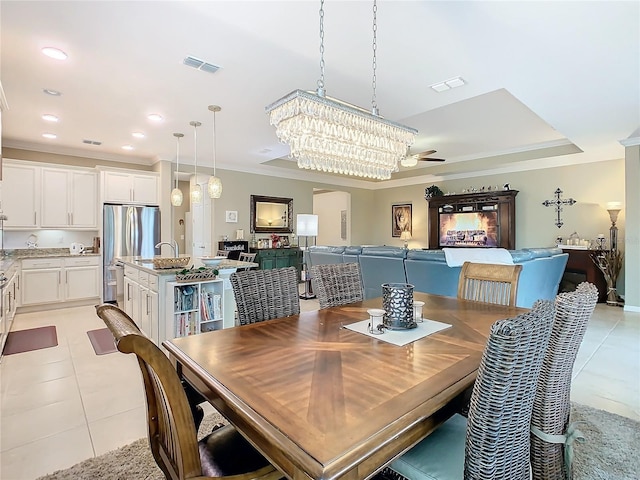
[(91, 142), (198, 64)]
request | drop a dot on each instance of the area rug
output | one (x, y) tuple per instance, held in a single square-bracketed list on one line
[(609, 452), (102, 341), (32, 339)]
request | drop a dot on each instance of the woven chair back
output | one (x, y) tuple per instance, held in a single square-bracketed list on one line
[(552, 404), (489, 283), (266, 294), (337, 284), (497, 443), (172, 433)]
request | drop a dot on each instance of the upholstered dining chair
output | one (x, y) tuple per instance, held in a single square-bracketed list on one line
[(489, 283), (265, 294), (493, 442), (551, 434), (172, 434), (337, 284)]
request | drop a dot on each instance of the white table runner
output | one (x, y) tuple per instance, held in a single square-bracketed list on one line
[(400, 337)]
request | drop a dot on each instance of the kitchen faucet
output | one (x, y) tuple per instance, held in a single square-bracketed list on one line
[(174, 247)]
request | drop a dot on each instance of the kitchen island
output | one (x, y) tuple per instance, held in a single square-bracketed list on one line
[(165, 308)]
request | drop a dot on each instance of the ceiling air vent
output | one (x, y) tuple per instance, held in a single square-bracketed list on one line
[(91, 142), (200, 64)]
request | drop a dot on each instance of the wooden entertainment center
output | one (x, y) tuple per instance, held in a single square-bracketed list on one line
[(494, 212)]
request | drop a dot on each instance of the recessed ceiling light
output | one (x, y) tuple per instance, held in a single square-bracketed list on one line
[(138, 134), (440, 87), (455, 82), (54, 93), (127, 147), (54, 53), (50, 118), (155, 117), (49, 135)]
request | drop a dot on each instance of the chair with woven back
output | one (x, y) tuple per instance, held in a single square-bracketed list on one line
[(493, 442), (337, 284), (172, 433), (552, 435), (265, 294), (489, 283)]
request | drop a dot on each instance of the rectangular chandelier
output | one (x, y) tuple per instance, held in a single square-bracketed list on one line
[(329, 135)]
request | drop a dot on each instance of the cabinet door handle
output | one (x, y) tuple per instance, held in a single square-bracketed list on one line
[(71, 219), (66, 276), (148, 307), (128, 292), (59, 277), (35, 220)]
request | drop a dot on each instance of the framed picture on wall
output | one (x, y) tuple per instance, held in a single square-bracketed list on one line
[(231, 216), (400, 219)]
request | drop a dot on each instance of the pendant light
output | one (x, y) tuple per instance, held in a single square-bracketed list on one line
[(196, 191), (176, 193), (215, 184)]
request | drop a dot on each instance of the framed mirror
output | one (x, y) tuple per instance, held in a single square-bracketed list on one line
[(271, 214)]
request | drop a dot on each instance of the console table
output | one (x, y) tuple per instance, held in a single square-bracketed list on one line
[(580, 268), (269, 258)]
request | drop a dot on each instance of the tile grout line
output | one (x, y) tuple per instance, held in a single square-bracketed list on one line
[(586, 362)]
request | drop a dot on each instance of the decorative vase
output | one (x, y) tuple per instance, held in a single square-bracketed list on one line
[(612, 296), (397, 302)]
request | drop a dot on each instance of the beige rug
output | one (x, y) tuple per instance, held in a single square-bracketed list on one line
[(609, 453)]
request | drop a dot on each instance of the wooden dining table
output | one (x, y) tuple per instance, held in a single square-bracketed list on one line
[(321, 401)]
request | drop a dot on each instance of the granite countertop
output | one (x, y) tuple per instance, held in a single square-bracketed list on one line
[(138, 262), (11, 256)]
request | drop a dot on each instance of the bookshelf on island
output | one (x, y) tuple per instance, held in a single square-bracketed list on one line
[(196, 307)]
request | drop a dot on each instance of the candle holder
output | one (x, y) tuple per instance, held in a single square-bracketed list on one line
[(376, 325)]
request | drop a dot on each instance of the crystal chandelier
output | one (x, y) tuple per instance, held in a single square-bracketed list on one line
[(214, 186), (330, 135), (176, 193), (196, 191)]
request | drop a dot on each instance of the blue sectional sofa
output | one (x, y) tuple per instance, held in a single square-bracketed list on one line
[(427, 270)]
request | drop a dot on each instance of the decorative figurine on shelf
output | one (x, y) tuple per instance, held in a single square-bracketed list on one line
[(506, 186), (600, 241), (275, 241)]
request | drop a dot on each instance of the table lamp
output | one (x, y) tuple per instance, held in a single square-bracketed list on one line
[(405, 236), (614, 209)]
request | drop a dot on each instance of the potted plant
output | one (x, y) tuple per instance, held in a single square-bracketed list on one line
[(432, 191), (610, 264)]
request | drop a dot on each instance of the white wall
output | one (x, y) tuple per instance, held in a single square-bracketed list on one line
[(328, 206)]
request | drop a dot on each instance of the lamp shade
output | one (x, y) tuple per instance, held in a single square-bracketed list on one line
[(307, 225), (405, 235)]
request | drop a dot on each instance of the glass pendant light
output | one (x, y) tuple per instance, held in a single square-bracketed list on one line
[(215, 184), (176, 193), (196, 191)]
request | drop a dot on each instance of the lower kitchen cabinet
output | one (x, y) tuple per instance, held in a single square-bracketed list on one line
[(141, 300), (54, 280)]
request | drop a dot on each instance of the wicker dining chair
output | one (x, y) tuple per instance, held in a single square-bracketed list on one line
[(552, 435), (489, 283), (493, 443), (265, 294), (337, 284), (172, 434)]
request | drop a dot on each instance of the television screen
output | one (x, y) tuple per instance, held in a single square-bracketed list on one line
[(469, 229)]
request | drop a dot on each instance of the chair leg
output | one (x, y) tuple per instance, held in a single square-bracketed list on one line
[(195, 398)]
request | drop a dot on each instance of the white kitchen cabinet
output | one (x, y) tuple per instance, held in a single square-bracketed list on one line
[(141, 300), (21, 195), (55, 280), (128, 187), (9, 302), (82, 278), (41, 279), (69, 198)]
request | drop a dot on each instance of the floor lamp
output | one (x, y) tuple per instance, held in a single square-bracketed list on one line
[(307, 226), (614, 209)]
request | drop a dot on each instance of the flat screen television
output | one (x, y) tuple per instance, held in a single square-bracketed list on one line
[(469, 229)]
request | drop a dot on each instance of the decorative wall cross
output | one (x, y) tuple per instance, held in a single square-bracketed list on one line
[(558, 204)]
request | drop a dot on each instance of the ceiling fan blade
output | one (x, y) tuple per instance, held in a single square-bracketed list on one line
[(426, 153), (428, 159)]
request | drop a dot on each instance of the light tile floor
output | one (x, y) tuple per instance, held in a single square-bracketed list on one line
[(64, 404)]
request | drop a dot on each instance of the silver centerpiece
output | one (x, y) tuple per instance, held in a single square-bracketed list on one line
[(397, 302)]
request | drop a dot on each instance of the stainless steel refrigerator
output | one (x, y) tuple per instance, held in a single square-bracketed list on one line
[(127, 230)]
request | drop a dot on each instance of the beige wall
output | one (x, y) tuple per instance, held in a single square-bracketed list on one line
[(328, 206)]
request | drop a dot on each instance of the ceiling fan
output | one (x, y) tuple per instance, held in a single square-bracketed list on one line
[(411, 160)]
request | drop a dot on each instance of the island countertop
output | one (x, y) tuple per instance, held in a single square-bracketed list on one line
[(146, 265)]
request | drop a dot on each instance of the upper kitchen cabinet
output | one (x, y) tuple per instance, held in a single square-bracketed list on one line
[(130, 187), (69, 199), (21, 195)]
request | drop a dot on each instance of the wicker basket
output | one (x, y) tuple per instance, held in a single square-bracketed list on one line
[(196, 276), (170, 262)]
